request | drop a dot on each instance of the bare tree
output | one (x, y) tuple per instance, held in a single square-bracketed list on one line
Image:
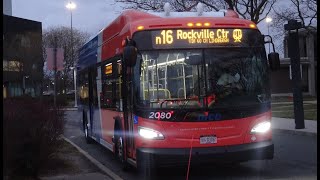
[(254, 10), (304, 11), (63, 37)]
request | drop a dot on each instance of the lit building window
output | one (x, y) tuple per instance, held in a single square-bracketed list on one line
[(12, 66)]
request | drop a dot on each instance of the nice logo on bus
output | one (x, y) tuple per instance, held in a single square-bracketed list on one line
[(210, 117)]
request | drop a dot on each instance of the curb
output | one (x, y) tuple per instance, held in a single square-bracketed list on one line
[(288, 102), (94, 161), (295, 132), (69, 109)]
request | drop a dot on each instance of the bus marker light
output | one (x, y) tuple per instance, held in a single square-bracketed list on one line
[(253, 138), (140, 27), (149, 133), (198, 24), (261, 127), (206, 24), (252, 25), (123, 43), (190, 24)]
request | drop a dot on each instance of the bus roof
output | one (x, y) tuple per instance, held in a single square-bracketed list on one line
[(110, 38)]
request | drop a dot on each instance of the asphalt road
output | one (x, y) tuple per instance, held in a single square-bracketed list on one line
[(295, 158)]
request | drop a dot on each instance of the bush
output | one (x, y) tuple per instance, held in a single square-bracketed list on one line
[(31, 133)]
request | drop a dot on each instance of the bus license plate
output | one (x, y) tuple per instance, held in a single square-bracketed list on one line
[(208, 140)]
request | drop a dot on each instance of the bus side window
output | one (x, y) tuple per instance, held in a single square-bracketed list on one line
[(107, 86), (111, 85), (84, 88), (118, 83)]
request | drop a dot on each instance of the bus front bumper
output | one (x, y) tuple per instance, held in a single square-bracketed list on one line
[(236, 153)]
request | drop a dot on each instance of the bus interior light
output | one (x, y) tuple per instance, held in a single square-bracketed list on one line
[(261, 127), (149, 133)]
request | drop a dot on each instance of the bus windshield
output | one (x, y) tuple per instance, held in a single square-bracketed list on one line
[(203, 78)]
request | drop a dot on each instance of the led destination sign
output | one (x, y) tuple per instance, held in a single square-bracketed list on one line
[(180, 38)]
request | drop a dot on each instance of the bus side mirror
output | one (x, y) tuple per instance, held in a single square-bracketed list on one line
[(274, 61), (130, 55)]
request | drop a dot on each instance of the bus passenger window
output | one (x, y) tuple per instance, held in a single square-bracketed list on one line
[(111, 85), (83, 88)]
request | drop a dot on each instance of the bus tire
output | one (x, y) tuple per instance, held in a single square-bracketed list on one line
[(146, 166), (119, 149), (86, 129)]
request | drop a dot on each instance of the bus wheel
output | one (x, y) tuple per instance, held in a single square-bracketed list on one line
[(86, 130), (120, 150)]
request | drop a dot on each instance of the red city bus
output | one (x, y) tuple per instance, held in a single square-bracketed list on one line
[(167, 89)]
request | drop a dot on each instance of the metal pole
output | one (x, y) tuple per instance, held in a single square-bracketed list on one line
[(55, 74), (294, 54), (71, 40), (75, 86), (24, 84), (74, 70), (269, 35)]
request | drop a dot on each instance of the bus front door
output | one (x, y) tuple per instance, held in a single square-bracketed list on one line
[(130, 147)]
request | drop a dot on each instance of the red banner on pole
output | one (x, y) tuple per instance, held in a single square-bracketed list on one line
[(50, 58)]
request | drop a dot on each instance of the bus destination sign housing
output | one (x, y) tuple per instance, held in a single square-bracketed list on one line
[(181, 38), (197, 38)]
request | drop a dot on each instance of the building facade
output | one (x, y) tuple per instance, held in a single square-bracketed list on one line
[(22, 57), (7, 7), (281, 82)]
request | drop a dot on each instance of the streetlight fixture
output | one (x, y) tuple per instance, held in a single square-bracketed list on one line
[(71, 6), (268, 20)]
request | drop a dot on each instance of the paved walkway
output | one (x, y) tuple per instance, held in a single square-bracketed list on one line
[(289, 125), (290, 102), (90, 176), (277, 124)]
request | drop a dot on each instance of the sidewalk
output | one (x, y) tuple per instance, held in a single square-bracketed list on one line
[(290, 102), (288, 125), (91, 176)]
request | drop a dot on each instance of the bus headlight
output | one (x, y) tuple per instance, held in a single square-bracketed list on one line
[(149, 133), (261, 127)]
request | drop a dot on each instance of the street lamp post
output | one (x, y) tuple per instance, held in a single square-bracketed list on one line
[(75, 85), (24, 83), (71, 6), (268, 20)]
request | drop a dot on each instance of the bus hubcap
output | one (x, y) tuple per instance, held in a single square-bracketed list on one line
[(86, 131), (120, 148)]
